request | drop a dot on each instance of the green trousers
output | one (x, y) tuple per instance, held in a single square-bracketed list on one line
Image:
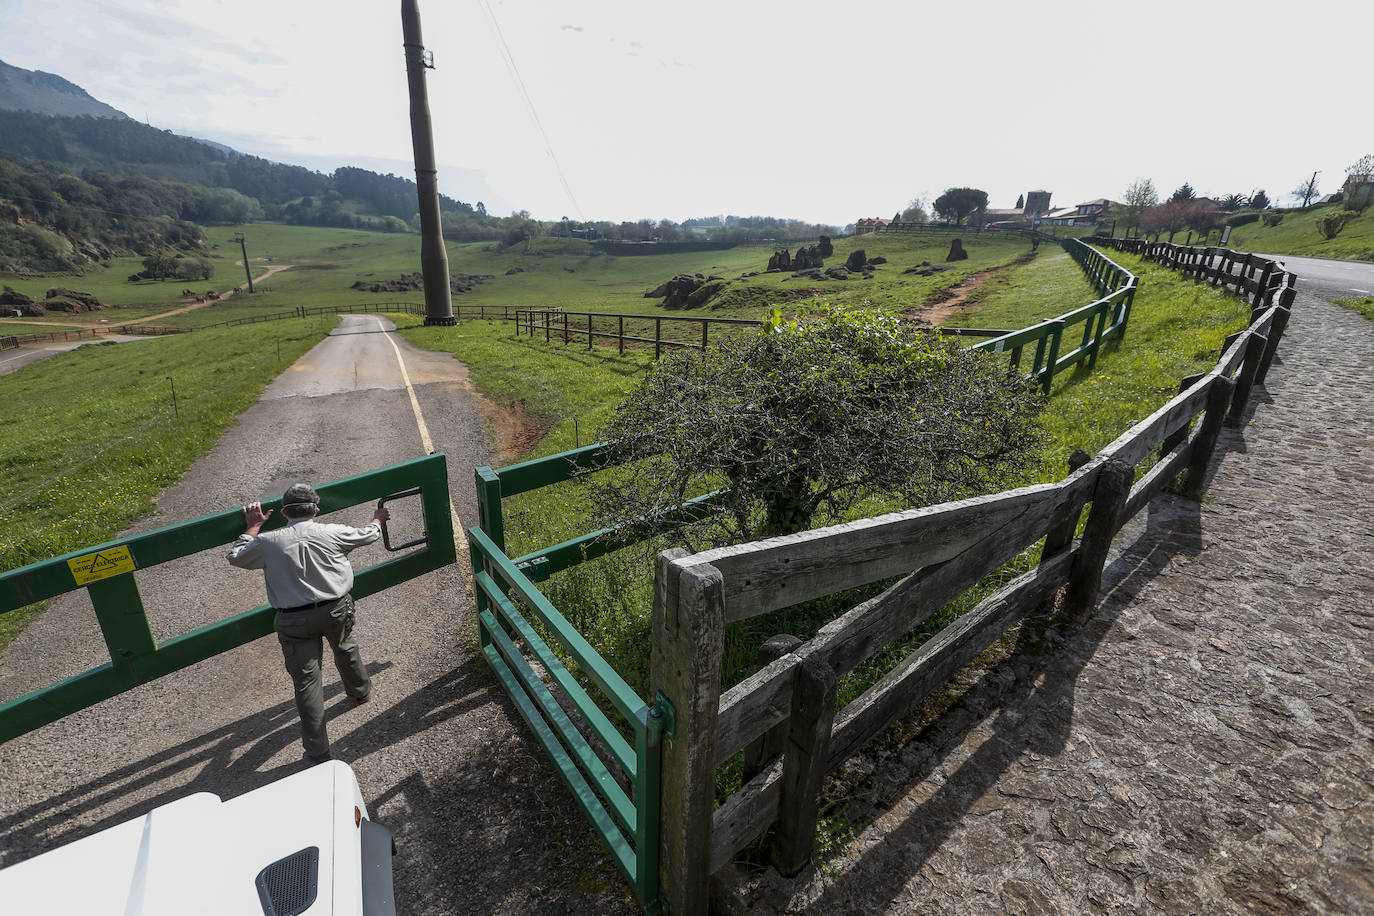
[(300, 634)]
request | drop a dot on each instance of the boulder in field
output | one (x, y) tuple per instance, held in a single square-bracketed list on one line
[(856, 260)]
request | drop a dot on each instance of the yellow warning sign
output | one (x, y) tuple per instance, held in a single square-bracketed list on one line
[(94, 566)]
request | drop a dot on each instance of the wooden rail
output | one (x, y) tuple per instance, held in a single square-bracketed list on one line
[(12, 341), (783, 718), (1259, 280)]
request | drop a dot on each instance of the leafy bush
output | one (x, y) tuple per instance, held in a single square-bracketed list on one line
[(804, 419), (194, 268), (1272, 219), (1242, 219), (1331, 224)]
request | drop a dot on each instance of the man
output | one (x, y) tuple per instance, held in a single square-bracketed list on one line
[(308, 580)]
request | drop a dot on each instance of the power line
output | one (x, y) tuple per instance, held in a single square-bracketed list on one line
[(529, 103)]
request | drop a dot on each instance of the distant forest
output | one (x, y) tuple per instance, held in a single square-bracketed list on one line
[(79, 189)]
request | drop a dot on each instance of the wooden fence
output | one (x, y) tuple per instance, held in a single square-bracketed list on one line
[(783, 717), (1256, 279), (683, 331), (12, 341)]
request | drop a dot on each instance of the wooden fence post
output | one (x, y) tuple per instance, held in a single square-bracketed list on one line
[(1064, 526), (1275, 332), (622, 334), (1172, 441), (1109, 497), (803, 767), (658, 338), (685, 667), (764, 748), (1245, 379), (1218, 400)]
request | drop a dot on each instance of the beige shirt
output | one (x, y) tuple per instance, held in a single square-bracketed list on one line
[(305, 562)]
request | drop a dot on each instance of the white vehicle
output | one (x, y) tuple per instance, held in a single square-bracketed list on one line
[(302, 846)]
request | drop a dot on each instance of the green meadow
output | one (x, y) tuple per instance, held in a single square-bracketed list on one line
[(1297, 234), (567, 391)]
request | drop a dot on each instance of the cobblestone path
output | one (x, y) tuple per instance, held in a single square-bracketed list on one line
[(1203, 744)]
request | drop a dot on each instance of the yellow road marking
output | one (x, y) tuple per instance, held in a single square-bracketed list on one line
[(460, 538)]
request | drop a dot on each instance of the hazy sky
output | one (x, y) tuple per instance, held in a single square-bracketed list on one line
[(818, 111)]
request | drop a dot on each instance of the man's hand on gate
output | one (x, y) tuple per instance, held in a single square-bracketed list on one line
[(254, 517), (382, 514)]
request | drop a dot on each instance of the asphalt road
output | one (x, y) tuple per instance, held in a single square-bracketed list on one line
[(441, 755), (1330, 279), (12, 360)]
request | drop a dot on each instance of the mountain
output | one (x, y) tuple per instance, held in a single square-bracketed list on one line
[(48, 93)]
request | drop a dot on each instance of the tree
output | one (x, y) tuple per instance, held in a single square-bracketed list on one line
[(1173, 216), (1307, 190), (1021, 202), (1140, 196), (159, 266), (1361, 169), (1184, 192), (802, 420), (1259, 201), (1233, 202), (957, 203), (916, 212), (191, 268)]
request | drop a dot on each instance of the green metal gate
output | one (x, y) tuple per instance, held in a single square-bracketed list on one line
[(107, 573), (617, 788)]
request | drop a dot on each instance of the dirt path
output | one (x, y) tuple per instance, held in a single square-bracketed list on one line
[(274, 269), (954, 298), (1206, 743)]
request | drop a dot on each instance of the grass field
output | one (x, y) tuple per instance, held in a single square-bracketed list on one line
[(1177, 329), (89, 437), (1298, 234), (567, 273)]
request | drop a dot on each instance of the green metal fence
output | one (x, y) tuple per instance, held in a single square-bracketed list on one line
[(616, 784), (107, 573), (1102, 320)]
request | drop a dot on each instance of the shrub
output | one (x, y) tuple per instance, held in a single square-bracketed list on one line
[(1331, 225), (808, 417), (194, 268), (1272, 219), (1242, 219)]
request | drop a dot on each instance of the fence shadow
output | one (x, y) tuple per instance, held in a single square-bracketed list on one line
[(1031, 695)]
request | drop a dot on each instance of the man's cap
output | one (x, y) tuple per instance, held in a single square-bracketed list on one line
[(300, 496)]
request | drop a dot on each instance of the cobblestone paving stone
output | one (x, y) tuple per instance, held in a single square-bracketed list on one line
[(1203, 744)]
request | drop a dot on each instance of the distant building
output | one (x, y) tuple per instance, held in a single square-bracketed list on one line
[(1037, 204), (1086, 214), (867, 225)]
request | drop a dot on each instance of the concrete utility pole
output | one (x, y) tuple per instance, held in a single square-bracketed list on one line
[(243, 247), (433, 257)]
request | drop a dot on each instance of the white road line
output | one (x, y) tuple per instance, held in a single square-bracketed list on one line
[(1354, 290), (460, 538)]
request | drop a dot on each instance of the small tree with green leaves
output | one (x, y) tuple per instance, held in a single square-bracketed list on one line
[(1184, 192), (798, 423)]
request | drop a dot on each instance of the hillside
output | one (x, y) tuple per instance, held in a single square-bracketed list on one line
[(1297, 234), (48, 93)]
